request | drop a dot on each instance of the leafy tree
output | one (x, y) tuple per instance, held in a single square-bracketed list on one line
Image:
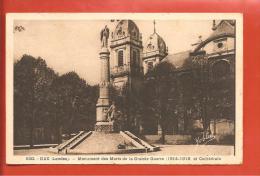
[(212, 92), (160, 87), (44, 100), (32, 80), (75, 101)]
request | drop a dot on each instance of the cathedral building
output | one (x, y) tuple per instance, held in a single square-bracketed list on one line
[(126, 56), (203, 76)]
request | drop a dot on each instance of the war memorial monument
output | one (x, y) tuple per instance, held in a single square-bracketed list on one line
[(106, 139)]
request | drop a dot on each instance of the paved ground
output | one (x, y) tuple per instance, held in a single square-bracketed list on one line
[(165, 150)]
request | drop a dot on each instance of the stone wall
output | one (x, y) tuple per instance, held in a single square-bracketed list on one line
[(169, 139), (222, 127)]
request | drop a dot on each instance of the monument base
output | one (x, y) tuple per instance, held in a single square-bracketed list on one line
[(105, 127), (98, 142)]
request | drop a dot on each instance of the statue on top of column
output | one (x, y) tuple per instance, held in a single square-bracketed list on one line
[(104, 34)]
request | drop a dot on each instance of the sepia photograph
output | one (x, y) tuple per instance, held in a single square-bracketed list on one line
[(130, 88)]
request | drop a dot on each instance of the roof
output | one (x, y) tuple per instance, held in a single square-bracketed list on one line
[(126, 28), (155, 43), (178, 60), (226, 28)]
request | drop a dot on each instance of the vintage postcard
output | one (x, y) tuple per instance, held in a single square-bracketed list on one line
[(124, 88)]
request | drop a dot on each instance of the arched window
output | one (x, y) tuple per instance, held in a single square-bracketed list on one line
[(120, 58)]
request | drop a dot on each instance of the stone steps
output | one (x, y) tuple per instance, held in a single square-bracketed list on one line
[(134, 141), (70, 143), (141, 142), (94, 142), (79, 140)]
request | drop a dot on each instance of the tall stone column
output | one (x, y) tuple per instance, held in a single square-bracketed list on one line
[(102, 122), (103, 100)]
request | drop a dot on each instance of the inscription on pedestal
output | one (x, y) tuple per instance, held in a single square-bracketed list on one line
[(106, 127)]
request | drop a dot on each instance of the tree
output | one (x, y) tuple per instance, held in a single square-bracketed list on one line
[(44, 100), (200, 66), (32, 80), (161, 82), (76, 101)]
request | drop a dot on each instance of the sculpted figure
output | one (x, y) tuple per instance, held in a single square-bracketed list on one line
[(104, 35), (111, 112)]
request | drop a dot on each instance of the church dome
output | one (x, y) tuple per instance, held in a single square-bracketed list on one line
[(155, 43), (126, 28)]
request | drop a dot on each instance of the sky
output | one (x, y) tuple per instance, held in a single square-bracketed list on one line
[(73, 45)]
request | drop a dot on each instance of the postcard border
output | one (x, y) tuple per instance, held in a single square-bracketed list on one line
[(10, 17)]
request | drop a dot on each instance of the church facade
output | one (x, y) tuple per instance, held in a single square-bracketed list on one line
[(202, 96), (126, 56)]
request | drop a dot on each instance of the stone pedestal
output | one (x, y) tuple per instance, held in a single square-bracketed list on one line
[(102, 107), (106, 127)]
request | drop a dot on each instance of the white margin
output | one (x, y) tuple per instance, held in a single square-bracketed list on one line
[(10, 17)]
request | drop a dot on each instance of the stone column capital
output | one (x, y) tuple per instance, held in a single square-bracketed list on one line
[(104, 51)]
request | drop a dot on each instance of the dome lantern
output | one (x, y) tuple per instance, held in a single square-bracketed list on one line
[(155, 50), (155, 45), (126, 28)]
